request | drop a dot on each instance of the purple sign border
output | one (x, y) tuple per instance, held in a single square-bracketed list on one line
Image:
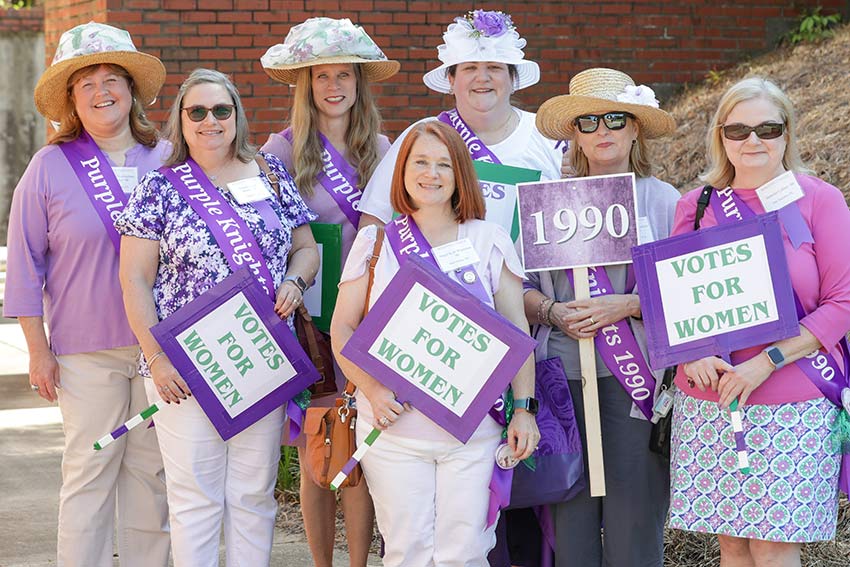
[(661, 353), (167, 330), (417, 270)]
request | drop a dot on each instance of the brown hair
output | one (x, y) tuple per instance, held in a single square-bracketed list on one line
[(361, 138), (70, 126), (467, 200)]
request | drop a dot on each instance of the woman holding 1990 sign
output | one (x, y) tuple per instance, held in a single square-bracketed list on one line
[(607, 120)]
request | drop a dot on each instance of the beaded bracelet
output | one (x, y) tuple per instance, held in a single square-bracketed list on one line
[(544, 320), (154, 358), (549, 313)]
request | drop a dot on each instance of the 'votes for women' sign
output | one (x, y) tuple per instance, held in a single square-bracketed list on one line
[(438, 347), (573, 223), (715, 291), (237, 356)]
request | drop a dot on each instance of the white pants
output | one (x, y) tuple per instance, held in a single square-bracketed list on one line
[(210, 481), (100, 391), (431, 497)]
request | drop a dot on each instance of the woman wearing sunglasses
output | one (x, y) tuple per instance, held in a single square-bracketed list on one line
[(790, 495), (331, 146), (608, 120), (169, 257)]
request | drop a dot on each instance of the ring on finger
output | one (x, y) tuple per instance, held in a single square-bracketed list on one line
[(592, 322), (34, 387), (384, 421)]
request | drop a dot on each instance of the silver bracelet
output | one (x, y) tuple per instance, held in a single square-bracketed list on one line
[(154, 358)]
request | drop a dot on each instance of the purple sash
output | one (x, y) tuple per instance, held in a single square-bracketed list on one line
[(229, 230), (98, 180), (820, 367), (477, 149), (338, 178), (619, 350), (406, 238)]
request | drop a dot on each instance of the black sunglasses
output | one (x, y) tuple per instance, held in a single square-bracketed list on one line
[(765, 131), (198, 113), (589, 123)]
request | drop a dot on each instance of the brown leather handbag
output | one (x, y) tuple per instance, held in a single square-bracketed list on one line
[(330, 431)]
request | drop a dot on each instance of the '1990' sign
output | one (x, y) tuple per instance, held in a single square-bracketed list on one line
[(586, 221)]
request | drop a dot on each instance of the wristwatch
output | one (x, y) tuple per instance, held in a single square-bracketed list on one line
[(298, 281), (531, 405), (775, 356)]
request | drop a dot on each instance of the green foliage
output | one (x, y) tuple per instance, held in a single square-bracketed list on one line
[(714, 76), (16, 4), (812, 27), (288, 473)]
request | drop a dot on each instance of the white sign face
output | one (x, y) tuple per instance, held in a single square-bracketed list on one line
[(716, 290), (234, 352), (438, 349), (313, 295), (500, 200)]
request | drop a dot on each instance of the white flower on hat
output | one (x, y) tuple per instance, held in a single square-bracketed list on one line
[(640, 94)]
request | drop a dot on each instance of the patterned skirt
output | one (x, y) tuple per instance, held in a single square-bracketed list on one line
[(791, 492)]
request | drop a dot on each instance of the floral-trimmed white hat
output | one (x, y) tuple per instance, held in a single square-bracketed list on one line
[(598, 90), (95, 44), (322, 41), (482, 35)]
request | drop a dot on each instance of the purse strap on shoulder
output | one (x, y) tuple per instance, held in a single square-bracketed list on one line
[(274, 181), (373, 261)]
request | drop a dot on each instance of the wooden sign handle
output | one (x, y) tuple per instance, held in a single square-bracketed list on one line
[(590, 392)]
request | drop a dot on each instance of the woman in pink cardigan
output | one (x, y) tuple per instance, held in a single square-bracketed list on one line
[(790, 495)]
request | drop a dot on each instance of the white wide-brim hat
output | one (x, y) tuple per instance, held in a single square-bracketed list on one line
[(326, 41), (95, 44), (597, 91), (482, 36)]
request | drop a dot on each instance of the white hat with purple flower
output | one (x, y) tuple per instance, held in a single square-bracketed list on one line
[(324, 41), (482, 35), (597, 91), (95, 44)]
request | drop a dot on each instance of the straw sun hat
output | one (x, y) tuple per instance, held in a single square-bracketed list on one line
[(95, 44), (597, 91), (482, 35), (324, 41)]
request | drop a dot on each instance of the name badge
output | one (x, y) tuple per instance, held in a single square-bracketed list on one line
[(454, 255), (128, 178), (778, 192), (249, 190)]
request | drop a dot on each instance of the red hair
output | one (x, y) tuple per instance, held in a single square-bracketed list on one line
[(467, 200)]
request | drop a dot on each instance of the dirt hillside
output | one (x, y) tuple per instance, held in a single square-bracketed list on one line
[(815, 76)]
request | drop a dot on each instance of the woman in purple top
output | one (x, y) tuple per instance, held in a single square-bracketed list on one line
[(332, 146), (170, 255), (63, 260), (790, 391)]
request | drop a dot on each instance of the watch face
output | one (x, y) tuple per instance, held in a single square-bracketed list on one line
[(776, 356)]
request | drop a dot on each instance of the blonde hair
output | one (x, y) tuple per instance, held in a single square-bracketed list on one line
[(361, 138), (241, 148), (638, 159), (70, 126), (720, 172)]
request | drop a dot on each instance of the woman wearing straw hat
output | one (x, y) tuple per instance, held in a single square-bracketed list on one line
[(607, 120), (791, 392), (331, 147), (63, 249), (482, 65), (171, 253)]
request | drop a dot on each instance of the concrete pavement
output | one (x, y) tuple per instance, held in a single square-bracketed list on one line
[(30, 457)]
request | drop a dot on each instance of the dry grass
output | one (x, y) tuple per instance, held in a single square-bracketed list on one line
[(815, 76)]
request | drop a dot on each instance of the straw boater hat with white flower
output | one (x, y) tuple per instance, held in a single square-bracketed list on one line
[(482, 36), (95, 44), (597, 91), (325, 41)]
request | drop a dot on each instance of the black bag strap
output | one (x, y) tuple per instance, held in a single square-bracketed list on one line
[(702, 203)]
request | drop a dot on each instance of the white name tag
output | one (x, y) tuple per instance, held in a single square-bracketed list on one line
[(249, 190), (128, 178), (778, 192), (454, 255)]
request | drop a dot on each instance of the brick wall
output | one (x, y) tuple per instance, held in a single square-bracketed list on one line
[(31, 20), (661, 43)]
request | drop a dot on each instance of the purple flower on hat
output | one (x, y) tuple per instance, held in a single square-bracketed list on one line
[(487, 23)]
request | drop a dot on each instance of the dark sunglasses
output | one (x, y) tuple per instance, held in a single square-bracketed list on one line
[(198, 113), (765, 131), (589, 123)]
